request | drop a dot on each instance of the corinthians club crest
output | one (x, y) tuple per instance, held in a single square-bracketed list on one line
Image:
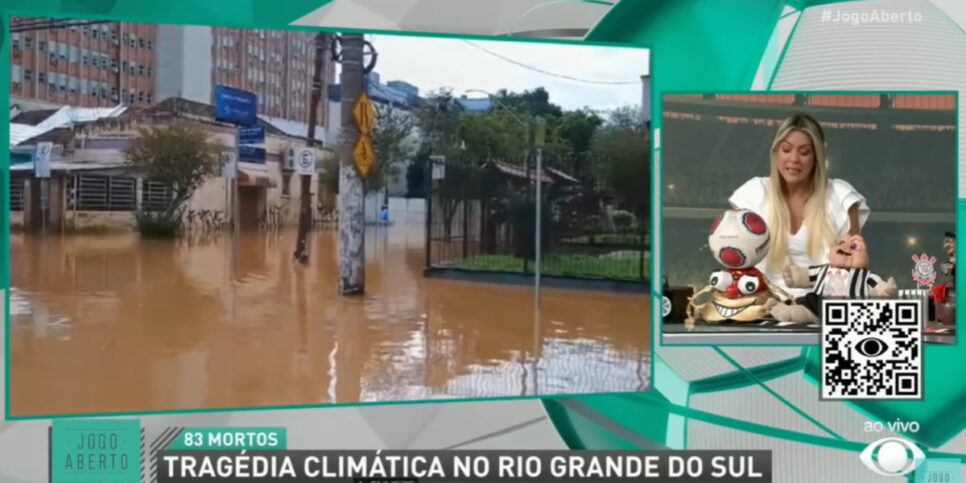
[(924, 272)]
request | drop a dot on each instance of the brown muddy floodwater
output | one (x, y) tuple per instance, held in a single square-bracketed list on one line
[(110, 323)]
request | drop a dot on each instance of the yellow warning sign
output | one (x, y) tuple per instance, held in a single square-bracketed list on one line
[(363, 156), (364, 114)]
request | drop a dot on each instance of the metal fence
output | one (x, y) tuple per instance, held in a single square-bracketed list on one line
[(102, 193), (155, 196), (16, 194), (481, 216)]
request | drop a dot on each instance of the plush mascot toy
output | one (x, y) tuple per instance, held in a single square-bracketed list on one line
[(846, 276), (738, 292)]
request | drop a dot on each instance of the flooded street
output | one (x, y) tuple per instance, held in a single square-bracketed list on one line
[(108, 323)]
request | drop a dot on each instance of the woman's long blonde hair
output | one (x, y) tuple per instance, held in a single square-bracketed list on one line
[(779, 220)]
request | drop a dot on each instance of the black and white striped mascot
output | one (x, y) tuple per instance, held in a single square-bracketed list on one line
[(846, 276)]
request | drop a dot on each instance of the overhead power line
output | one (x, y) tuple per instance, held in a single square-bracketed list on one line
[(545, 72)]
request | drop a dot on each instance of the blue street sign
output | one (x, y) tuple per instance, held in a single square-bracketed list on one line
[(235, 106), (21, 158), (251, 154), (251, 135)]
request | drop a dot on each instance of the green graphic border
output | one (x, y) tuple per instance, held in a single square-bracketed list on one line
[(134, 11), (681, 36)]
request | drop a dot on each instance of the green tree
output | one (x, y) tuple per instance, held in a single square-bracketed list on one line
[(624, 146), (497, 134), (576, 130), (438, 120), (392, 144), (535, 102), (179, 156), (416, 175)]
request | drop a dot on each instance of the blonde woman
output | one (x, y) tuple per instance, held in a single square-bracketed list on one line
[(806, 211)]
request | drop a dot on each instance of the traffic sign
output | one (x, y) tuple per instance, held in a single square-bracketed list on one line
[(363, 156), (305, 162), (42, 159), (365, 115), (251, 135), (439, 167), (228, 165), (235, 105), (251, 154)]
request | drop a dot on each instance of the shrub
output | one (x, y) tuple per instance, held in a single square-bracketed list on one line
[(157, 224)]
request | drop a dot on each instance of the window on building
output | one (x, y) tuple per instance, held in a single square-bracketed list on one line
[(141, 43), (95, 33), (83, 86), (83, 56), (150, 44), (113, 64), (155, 196), (132, 41), (73, 84), (28, 42), (16, 73), (16, 195), (28, 75), (148, 71), (42, 46), (147, 98), (141, 70), (42, 77), (140, 97), (132, 68), (63, 50), (86, 29), (62, 81), (88, 192), (15, 41), (286, 183), (113, 91), (74, 54), (105, 61)]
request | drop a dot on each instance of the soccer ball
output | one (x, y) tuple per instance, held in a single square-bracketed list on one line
[(739, 239)]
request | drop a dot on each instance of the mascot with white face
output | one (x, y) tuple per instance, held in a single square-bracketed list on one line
[(739, 292)]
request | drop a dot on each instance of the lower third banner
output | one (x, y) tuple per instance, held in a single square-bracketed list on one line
[(465, 466)]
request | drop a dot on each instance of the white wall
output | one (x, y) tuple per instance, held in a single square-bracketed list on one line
[(183, 62)]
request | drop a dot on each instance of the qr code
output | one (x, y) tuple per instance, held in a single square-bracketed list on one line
[(872, 349)]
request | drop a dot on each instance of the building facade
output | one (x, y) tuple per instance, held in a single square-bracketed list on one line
[(91, 188), (97, 65), (111, 63)]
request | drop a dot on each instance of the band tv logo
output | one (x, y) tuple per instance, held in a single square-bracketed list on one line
[(96, 450)]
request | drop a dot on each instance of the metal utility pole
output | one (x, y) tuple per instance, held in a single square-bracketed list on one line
[(305, 216), (351, 189), (538, 140)]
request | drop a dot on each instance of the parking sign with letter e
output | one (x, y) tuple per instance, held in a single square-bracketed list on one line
[(305, 162)]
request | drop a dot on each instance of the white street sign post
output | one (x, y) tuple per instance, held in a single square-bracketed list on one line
[(42, 159), (439, 167), (305, 162), (229, 165)]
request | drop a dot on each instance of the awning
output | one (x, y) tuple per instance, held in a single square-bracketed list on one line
[(250, 177)]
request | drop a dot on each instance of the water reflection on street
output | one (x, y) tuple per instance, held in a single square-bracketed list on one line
[(107, 323)]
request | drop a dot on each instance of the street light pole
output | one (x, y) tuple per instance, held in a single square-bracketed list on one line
[(538, 141)]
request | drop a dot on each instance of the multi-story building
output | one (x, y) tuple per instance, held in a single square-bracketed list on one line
[(112, 63), (97, 65)]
